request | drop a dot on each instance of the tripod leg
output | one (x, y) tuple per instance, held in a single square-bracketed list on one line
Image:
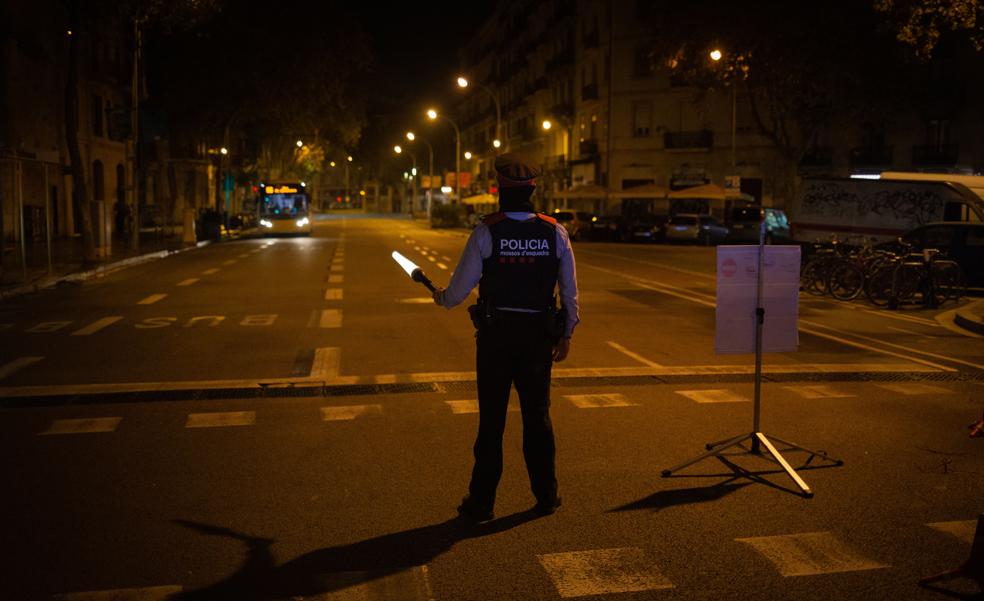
[(727, 444), (813, 453), (782, 461)]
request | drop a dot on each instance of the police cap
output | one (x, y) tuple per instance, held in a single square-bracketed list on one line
[(514, 169)]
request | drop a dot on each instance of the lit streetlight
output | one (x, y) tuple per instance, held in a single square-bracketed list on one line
[(224, 150), (497, 142), (547, 124), (433, 115), (468, 155), (716, 55), (299, 143)]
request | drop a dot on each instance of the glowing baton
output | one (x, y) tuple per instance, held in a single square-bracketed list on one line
[(416, 273)]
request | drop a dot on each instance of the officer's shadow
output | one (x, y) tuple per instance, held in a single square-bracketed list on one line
[(334, 568)]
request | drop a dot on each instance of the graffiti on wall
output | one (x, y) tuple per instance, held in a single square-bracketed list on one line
[(899, 203)]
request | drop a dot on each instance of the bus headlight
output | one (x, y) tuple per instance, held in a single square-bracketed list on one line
[(266, 223), (302, 222)]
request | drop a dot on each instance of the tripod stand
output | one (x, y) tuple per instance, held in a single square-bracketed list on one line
[(756, 436)]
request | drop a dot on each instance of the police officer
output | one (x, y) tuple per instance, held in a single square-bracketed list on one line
[(517, 257)]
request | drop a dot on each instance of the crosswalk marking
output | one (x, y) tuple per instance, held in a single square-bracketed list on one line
[(153, 298), (914, 388), (330, 318), (16, 365), (211, 271), (818, 392), (712, 396), (602, 572), (152, 593), (810, 553), (963, 530), (336, 279), (333, 294), (187, 282), (591, 401), (471, 406), (332, 414), (327, 363), (221, 419), (95, 326), (82, 425)]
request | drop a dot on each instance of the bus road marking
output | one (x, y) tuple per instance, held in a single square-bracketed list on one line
[(211, 271), (333, 294), (333, 414), (187, 282), (46, 327), (153, 298), (86, 425), (594, 401), (221, 419), (712, 396), (96, 326), (17, 365), (810, 553)]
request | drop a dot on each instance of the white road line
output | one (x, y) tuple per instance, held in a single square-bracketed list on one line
[(448, 259), (334, 414), (471, 406), (330, 318), (153, 298), (595, 401), (810, 553), (814, 391), (419, 300), (432, 259), (416, 248), (221, 419), (618, 347), (336, 268), (82, 426), (95, 326), (914, 389), (153, 593), (211, 271), (243, 256), (712, 396), (910, 332), (46, 327), (963, 530), (187, 282), (602, 572), (327, 363), (333, 294), (17, 365), (230, 262), (442, 266), (336, 279)]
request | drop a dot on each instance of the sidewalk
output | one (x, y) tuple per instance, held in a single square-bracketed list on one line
[(67, 263), (971, 317)]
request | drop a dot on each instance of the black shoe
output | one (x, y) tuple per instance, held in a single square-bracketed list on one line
[(474, 512), (548, 506)]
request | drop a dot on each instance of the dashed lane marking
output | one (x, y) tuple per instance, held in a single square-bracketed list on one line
[(963, 530), (82, 426), (618, 347), (432, 259), (416, 248), (336, 279), (336, 268), (602, 572), (333, 294), (95, 326), (334, 414), (211, 271), (17, 365), (442, 266), (187, 282), (327, 363), (230, 262), (914, 389), (243, 256), (448, 259), (815, 391), (221, 419), (153, 593), (330, 318), (153, 298), (593, 401), (712, 396), (471, 406), (810, 553)]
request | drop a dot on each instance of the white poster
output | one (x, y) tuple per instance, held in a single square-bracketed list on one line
[(737, 297)]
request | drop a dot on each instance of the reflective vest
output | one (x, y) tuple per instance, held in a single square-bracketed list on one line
[(521, 272)]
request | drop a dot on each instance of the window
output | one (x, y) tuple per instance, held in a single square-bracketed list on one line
[(938, 133), (97, 115), (641, 63), (642, 119)]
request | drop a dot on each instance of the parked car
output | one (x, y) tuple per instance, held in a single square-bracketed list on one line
[(691, 227), (743, 226), (574, 223), (959, 240), (646, 228), (604, 228)]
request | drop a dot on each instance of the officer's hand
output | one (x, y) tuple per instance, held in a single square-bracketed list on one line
[(561, 349), (437, 296)]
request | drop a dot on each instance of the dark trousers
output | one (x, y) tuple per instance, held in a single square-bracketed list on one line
[(516, 349)]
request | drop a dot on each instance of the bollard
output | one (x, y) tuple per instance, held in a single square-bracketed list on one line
[(973, 568)]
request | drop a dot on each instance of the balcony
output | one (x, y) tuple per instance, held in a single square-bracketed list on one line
[(587, 148), (688, 140), (818, 156), (862, 156), (589, 92), (935, 154)]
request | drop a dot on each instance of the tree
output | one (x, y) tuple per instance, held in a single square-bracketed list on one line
[(921, 24)]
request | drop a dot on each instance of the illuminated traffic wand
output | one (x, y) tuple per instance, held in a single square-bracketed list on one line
[(416, 273)]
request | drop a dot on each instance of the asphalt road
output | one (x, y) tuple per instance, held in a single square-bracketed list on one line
[(142, 463)]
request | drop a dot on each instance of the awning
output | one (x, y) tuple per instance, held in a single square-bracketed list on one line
[(709, 192), (643, 191), (479, 199), (588, 191)]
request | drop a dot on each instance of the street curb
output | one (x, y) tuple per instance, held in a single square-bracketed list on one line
[(98, 272), (966, 317)]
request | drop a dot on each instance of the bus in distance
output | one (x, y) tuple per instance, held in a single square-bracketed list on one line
[(284, 209)]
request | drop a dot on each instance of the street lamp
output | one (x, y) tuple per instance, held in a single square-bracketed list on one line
[(497, 142), (430, 167), (716, 55), (433, 115), (299, 143), (468, 155)]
